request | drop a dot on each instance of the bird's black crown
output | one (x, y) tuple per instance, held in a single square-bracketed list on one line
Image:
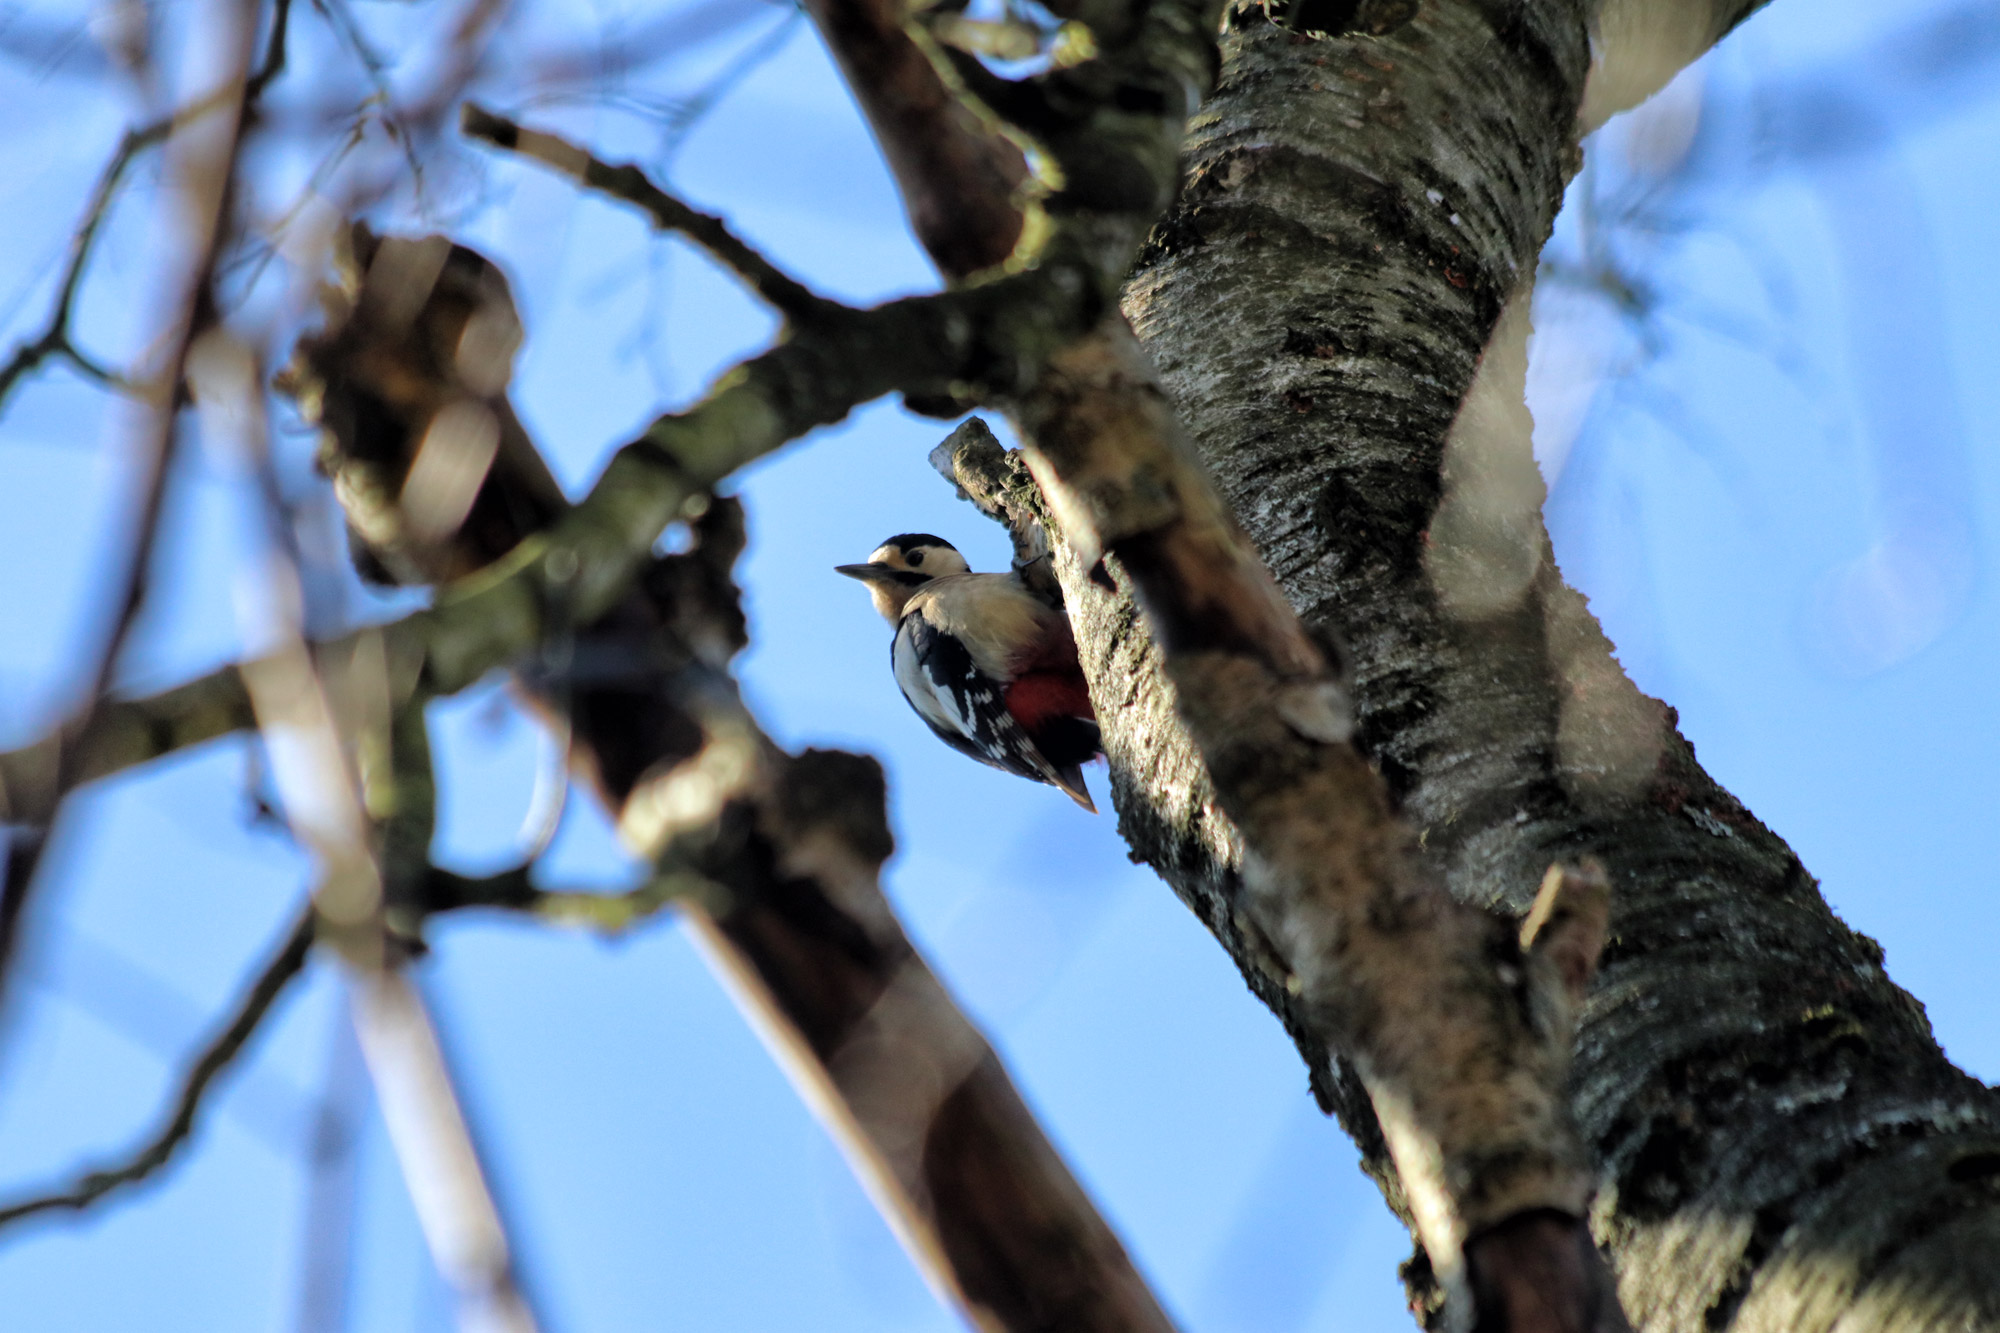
[(903, 541)]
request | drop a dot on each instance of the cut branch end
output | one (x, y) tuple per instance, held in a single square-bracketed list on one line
[(1569, 922)]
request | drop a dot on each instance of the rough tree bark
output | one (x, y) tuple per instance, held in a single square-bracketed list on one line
[(1338, 303), (1462, 1056)]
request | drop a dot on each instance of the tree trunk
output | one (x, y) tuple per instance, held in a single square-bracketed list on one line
[(1339, 304)]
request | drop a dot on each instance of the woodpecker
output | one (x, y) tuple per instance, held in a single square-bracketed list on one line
[(987, 665)]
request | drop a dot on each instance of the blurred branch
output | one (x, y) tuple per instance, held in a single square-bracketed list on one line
[(775, 859), (275, 38), (1638, 46), (55, 339), (464, 50), (333, 1165), (965, 185), (630, 184), (50, 47), (606, 913), (249, 1012), (352, 764), (208, 168), (434, 1147), (121, 734), (799, 841), (980, 339), (627, 45), (596, 75)]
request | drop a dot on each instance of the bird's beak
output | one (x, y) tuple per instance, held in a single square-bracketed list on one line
[(866, 573)]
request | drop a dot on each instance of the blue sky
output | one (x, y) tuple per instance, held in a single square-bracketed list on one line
[(1803, 416)]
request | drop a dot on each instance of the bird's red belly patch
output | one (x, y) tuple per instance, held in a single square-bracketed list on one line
[(1038, 696)]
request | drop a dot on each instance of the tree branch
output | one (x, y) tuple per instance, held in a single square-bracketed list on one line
[(434, 1148), (628, 183), (775, 860), (964, 183), (606, 913), (54, 339), (122, 734), (1362, 287), (248, 1014), (986, 337), (359, 793)]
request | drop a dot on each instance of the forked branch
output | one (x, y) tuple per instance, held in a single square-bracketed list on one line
[(57, 338)]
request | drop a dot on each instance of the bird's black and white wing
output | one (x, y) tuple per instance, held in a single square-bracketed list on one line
[(962, 704)]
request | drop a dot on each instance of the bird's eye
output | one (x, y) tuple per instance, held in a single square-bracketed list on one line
[(914, 559)]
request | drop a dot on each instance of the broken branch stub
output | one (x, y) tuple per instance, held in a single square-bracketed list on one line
[(995, 480), (1569, 922), (408, 382)]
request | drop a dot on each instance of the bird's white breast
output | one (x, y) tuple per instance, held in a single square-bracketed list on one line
[(999, 622)]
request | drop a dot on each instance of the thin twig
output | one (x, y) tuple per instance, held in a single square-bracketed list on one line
[(54, 339), (158, 1150), (347, 31), (465, 51), (274, 50), (630, 184)]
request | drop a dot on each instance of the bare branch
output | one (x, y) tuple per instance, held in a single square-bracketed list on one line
[(965, 185), (358, 791), (157, 1151), (630, 184), (54, 339), (274, 50), (606, 913), (208, 166), (122, 734), (999, 483), (434, 1147), (575, 570)]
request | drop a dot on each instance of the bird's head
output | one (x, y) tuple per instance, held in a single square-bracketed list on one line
[(901, 565)]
